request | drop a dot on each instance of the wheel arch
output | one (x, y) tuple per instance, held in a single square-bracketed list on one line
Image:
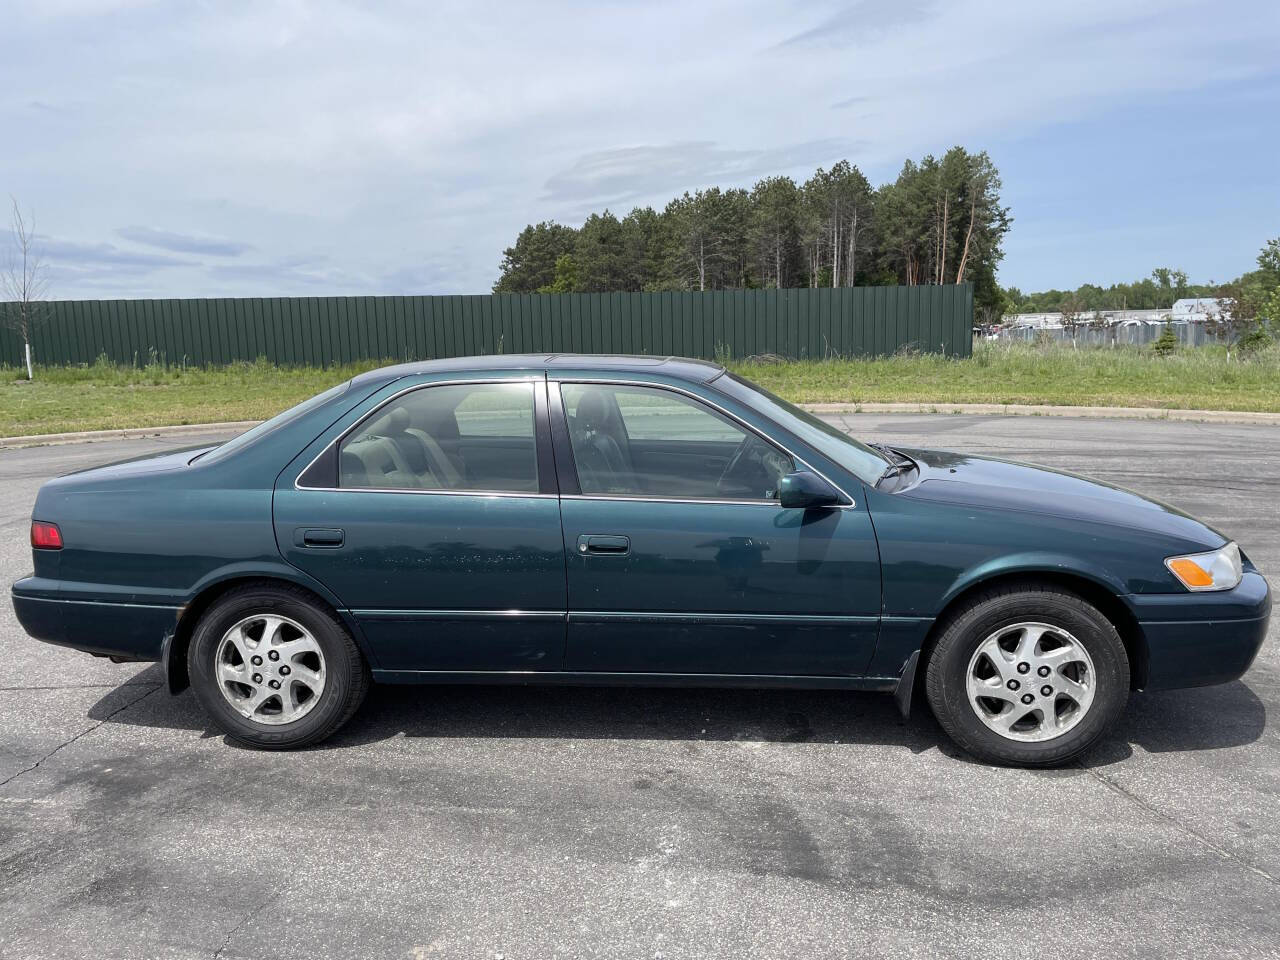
[(1096, 592), (173, 658)]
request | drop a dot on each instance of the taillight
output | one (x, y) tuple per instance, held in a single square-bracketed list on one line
[(45, 536)]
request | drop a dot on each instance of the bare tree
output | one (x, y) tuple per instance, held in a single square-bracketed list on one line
[(23, 281), (1072, 315)]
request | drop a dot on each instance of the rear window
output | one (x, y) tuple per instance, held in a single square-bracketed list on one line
[(279, 420)]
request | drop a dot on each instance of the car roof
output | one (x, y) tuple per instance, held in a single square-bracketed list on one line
[(682, 368)]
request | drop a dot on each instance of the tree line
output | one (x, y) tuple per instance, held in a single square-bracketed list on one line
[(1253, 297), (940, 221), (1156, 292)]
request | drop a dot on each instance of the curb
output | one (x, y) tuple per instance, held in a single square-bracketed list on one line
[(1046, 410), (967, 409), (130, 433)]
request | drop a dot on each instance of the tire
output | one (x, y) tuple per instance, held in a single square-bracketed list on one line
[(259, 635), (1075, 668)]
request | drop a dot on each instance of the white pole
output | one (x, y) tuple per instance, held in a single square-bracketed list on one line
[(30, 376)]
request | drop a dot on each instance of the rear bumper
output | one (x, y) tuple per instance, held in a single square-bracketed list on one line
[(1197, 639), (131, 631)]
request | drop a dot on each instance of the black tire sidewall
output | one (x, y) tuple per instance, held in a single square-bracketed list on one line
[(334, 644), (949, 664)]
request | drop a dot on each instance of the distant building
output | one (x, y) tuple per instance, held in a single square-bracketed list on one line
[(1193, 320), (1200, 308), (1034, 321), (1101, 318), (1187, 310)]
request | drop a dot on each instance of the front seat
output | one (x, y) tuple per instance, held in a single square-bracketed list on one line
[(602, 467)]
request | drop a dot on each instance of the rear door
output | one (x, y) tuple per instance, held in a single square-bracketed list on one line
[(432, 513), (680, 559)]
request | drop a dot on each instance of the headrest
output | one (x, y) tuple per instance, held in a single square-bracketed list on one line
[(593, 411), (398, 420), (439, 422), (394, 421)]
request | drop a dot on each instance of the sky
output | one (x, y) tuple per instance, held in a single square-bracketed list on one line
[(283, 147)]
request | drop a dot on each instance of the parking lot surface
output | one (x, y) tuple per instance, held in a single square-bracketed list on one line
[(548, 822)]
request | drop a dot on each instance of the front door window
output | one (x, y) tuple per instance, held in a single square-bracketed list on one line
[(648, 442)]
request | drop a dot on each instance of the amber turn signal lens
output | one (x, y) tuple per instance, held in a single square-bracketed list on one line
[(1190, 573), (1220, 569)]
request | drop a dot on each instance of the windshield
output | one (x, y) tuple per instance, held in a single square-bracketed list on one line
[(279, 420), (856, 457)]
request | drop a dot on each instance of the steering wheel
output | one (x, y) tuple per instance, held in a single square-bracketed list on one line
[(735, 462)]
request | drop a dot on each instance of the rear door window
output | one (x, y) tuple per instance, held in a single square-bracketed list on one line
[(478, 437)]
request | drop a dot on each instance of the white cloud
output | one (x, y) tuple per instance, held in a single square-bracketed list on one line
[(631, 173), (183, 242)]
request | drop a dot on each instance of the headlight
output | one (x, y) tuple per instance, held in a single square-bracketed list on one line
[(1216, 570)]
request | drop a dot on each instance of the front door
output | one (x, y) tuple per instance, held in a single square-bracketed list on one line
[(437, 524), (680, 559)]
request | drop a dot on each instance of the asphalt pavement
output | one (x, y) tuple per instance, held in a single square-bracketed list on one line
[(554, 822)]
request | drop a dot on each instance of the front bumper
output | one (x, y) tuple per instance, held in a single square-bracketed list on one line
[(1198, 639), (130, 631)]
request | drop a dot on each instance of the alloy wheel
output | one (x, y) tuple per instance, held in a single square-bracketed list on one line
[(270, 669), (1030, 682)]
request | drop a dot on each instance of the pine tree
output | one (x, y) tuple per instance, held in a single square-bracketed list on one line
[(531, 262), (1167, 342)]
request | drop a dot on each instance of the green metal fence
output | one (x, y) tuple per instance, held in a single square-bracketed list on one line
[(319, 331)]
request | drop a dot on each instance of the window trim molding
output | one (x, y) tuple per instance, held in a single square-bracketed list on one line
[(557, 382), (539, 422), (645, 498)]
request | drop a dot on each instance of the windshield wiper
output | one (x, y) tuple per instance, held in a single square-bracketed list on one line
[(902, 458), (903, 463), (895, 470)]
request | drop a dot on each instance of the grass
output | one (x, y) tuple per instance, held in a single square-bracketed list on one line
[(105, 396), (1202, 378)]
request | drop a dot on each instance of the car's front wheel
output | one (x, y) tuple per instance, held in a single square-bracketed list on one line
[(1027, 675), (274, 668)]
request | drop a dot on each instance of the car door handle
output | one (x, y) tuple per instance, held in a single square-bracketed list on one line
[(318, 537), (600, 543)]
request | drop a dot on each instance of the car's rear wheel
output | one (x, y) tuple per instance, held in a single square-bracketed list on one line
[(1027, 675), (274, 668)]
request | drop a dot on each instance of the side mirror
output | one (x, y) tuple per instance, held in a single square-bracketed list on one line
[(802, 489)]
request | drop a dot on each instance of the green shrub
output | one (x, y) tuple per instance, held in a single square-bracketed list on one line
[(1254, 342), (1166, 343)]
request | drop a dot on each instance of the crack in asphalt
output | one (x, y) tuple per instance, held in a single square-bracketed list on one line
[(226, 942), (83, 733), (84, 686), (1159, 814)]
